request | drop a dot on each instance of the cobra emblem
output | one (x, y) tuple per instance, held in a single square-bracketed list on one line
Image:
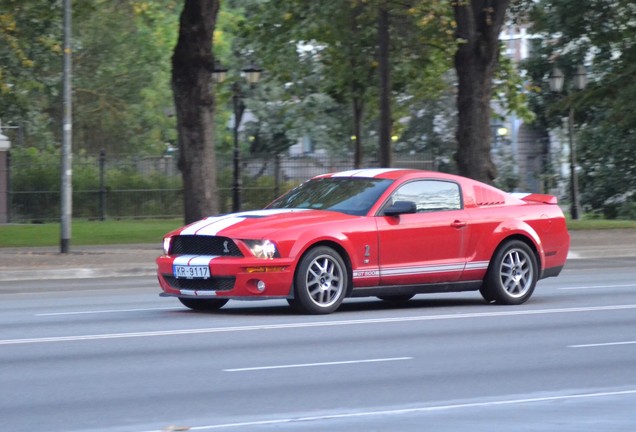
[(226, 250)]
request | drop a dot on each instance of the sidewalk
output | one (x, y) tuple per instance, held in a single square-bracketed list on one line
[(81, 262), (139, 259)]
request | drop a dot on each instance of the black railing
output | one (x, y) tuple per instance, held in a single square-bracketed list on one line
[(127, 188)]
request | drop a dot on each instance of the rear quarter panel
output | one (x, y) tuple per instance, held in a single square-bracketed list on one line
[(542, 225)]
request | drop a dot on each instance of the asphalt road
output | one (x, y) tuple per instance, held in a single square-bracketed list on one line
[(110, 355)]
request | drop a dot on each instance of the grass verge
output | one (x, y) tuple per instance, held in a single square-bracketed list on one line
[(600, 224), (88, 232), (151, 231)]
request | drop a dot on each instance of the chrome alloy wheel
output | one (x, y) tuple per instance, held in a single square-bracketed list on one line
[(516, 272), (321, 281), (324, 281), (512, 274)]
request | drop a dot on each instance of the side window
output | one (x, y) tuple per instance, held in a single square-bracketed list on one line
[(430, 195)]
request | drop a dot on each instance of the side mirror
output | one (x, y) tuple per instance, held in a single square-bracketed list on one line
[(400, 207)]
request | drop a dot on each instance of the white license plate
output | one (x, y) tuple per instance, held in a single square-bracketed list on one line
[(191, 271)]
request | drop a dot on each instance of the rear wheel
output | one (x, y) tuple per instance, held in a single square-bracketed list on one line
[(321, 281), (203, 304), (512, 274)]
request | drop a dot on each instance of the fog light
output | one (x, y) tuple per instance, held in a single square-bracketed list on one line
[(260, 285)]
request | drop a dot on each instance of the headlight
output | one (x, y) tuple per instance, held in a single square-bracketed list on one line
[(166, 245), (263, 248)]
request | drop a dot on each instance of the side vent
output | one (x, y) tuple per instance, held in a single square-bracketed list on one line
[(488, 197)]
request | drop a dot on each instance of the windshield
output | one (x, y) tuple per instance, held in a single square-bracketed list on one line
[(353, 196)]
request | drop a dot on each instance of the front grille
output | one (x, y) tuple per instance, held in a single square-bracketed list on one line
[(212, 284), (203, 245)]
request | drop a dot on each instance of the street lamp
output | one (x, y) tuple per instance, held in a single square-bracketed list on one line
[(252, 75), (5, 145), (557, 79)]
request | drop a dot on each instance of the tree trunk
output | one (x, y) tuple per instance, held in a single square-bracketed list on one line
[(385, 89), (479, 23), (192, 68)]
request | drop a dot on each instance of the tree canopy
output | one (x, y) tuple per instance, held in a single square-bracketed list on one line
[(121, 70), (602, 37), (322, 78)]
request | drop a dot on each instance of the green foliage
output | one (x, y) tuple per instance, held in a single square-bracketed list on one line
[(431, 130), (257, 189), (324, 55), (121, 54), (510, 90), (89, 233), (260, 191), (599, 35), (35, 180), (608, 180)]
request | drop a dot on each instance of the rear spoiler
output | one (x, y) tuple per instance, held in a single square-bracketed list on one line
[(538, 198)]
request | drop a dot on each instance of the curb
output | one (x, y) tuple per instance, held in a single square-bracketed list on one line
[(76, 273), (142, 270)]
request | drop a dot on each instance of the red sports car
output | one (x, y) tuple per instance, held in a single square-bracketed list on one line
[(390, 233)]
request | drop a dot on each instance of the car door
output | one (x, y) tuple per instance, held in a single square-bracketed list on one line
[(427, 246)]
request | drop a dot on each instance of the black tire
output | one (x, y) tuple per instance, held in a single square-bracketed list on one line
[(204, 305), (398, 298), (321, 282), (512, 274)]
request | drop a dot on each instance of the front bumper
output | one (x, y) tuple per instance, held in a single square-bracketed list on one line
[(230, 277)]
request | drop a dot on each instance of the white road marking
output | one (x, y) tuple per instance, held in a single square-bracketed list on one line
[(602, 344), (104, 311), (318, 324), (172, 308), (334, 363), (597, 287), (424, 409)]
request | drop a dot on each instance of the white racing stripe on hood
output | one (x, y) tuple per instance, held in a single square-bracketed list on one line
[(269, 212), (213, 225), (192, 229), (365, 172), (219, 225), (520, 195), (193, 259)]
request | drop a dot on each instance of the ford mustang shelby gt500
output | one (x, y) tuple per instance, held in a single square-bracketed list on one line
[(390, 233)]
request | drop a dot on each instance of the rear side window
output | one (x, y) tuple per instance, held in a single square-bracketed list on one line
[(430, 195)]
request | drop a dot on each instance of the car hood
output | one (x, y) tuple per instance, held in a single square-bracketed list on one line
[(261, 223)]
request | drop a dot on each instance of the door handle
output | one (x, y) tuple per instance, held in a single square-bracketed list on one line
[(459, 224)]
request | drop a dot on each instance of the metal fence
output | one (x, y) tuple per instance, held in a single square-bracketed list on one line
[(106, 187)]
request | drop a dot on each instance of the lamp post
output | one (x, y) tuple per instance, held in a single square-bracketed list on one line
[(557, 79), (5, 145), (66, 184), (252, 75)]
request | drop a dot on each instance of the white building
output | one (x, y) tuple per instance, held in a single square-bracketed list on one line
[(540, 161)]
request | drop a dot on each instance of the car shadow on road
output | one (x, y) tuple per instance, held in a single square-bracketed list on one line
[(281, 308)]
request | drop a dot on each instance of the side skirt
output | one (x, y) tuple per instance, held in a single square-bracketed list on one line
[(551, 272), (416, 289)]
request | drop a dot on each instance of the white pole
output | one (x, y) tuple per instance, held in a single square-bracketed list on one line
[(66, 189)]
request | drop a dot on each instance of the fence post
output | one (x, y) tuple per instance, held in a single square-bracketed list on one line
[(102, 185)]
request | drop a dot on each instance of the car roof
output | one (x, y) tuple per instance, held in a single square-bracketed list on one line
[(389, 173)]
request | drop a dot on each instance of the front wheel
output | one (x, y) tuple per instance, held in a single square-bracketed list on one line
[(321, 281), (512, 274), (204, 305)]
